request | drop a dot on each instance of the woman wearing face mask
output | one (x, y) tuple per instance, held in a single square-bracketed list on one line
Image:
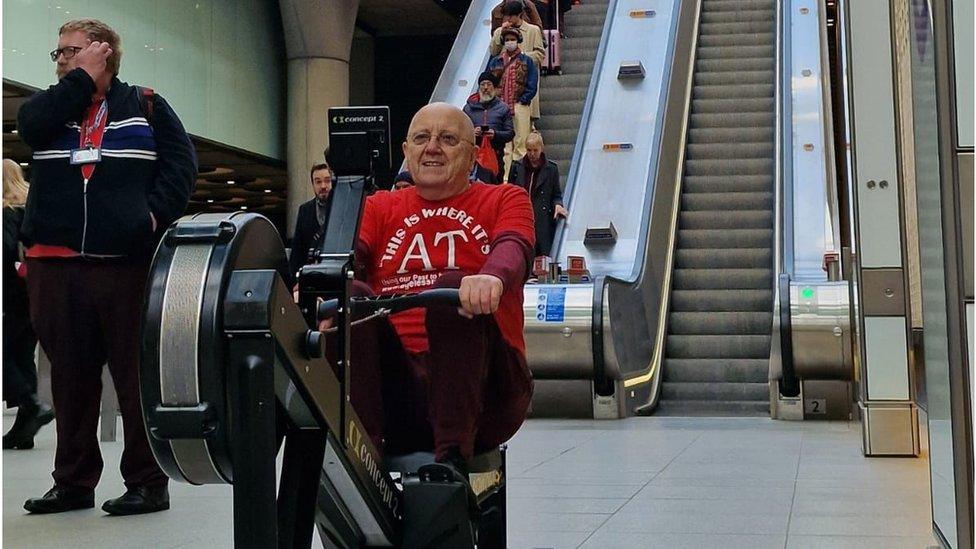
[(519, 77), (531, 43)]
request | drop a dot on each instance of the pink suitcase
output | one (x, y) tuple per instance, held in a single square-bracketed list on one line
[(551, 63)]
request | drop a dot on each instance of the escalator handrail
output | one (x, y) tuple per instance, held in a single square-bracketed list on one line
[(574, 162), (776, 359), (472, 24), (656, 367), (781, 365)]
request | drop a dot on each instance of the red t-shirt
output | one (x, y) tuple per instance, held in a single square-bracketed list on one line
[(409, 242)]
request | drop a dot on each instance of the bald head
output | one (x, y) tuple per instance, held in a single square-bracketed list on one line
[(444, 112), (440, 150)]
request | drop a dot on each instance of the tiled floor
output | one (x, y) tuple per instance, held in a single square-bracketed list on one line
[(637, 483)]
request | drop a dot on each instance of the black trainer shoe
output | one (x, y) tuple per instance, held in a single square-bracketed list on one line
[(60, 499), (30, 418), (136, 501)]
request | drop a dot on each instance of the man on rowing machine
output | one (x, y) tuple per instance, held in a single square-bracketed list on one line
[(447, 380)]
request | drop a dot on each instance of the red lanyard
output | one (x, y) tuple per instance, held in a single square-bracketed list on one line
[(92, 131)]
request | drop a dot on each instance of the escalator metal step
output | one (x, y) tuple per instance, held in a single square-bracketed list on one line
[(758, 301), (729, 390), (726, 219), (744, 39), (710, 29), (719, 323), (729, 166), (717, 346), (736, 64), (739, 150), (712, 408), (703, 370), (740, 91), (722, 279), (722, 258), (724, 238), (727, 183), (728, 200), (732, 105), (738, 16), (734, 52), (731, 135), (732, 120), (743, 76)]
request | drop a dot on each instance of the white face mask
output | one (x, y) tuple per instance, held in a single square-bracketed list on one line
[(511, 45)]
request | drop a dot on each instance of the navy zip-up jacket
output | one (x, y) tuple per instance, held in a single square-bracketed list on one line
[(145, 168), (496, 114)]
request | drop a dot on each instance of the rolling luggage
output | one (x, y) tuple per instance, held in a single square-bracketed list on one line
[(551, 63)]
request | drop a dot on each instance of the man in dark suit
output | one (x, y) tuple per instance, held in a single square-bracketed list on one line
[(313, 218), (540, 178)]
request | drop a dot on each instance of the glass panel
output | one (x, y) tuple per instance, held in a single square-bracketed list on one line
[(928, 190), (962, 31)]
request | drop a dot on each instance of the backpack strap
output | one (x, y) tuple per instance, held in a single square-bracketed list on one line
[(147, 101)]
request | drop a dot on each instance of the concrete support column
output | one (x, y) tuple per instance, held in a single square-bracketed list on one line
[(318, 39)]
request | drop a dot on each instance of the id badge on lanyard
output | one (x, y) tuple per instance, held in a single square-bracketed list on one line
[(89, 151)]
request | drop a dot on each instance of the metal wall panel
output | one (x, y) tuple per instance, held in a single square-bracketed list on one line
[(964, 163), (876, 174), (885, 342), (883, 291)]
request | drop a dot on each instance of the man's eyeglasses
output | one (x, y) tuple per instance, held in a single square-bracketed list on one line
[(447, 140), (67, 51)]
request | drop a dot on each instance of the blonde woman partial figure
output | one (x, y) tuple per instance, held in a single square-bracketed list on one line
[(19, 341)]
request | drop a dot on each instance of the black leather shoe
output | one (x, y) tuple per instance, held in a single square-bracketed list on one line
[(30, 419), (60, 499), (136, 501)]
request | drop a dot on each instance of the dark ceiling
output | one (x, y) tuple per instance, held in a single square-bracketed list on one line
[(410, 17)]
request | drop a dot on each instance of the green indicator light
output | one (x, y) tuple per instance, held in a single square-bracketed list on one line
[(807, 293)]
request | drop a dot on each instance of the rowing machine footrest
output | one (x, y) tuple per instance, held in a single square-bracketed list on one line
[(436, 510)]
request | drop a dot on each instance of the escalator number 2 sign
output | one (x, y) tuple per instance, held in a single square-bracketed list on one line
[(551, 305)]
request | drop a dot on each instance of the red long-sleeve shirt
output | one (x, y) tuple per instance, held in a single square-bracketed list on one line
[(406, 243)]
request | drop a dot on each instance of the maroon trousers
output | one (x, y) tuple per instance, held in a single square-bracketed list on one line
[(87, 312), (470, 390)]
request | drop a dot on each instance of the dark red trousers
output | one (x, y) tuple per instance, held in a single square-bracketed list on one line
[(470, 390), (87, 312)]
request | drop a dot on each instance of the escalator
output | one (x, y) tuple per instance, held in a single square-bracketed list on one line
[(563, 96), (718, 339), (685, 132)]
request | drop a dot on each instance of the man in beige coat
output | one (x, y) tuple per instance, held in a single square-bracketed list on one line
[(532, 42)]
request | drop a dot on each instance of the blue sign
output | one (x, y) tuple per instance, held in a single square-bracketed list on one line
[(551, 305)]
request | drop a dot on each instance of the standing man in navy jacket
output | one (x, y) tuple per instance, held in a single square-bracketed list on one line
[(112, 168), (312, 219)]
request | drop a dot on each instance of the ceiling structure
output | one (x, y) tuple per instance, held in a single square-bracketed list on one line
[(410, 17)]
